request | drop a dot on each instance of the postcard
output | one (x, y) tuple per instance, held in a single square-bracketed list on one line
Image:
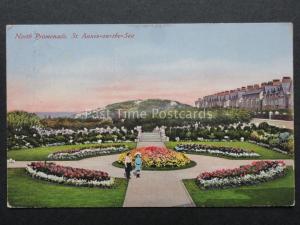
[(150, 115)]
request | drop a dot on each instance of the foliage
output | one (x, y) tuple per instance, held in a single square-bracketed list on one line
[(22, 119), (254, 136), (274, 141), (270, 136), (70, 123), (289, 146), (218, 117), (35, 137)]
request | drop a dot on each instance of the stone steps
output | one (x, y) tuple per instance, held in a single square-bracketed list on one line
[(150, 137)]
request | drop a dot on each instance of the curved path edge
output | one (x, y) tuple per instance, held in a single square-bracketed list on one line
[(154, 188)]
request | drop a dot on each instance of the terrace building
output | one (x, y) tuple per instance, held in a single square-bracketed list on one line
[(276, 94)]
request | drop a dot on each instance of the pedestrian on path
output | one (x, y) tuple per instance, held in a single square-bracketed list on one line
[(128, 166), (138, 165)]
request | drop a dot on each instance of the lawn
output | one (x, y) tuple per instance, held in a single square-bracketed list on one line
[(24, 191), (279, 192), (264, 153), (41, 153)]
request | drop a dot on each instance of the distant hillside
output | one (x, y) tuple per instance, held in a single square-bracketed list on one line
[(147, 106), (43, 115)]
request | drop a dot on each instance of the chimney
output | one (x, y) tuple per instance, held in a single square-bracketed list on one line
[(276, 82), (286, 79), (263, 84), (256, 86), (243, 88), (249, 87)]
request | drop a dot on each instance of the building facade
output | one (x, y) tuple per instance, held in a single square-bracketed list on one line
[(276, 94)]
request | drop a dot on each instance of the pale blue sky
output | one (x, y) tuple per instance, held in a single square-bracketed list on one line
[(182, 62)]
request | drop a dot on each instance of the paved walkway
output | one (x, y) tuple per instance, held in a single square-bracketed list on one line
[(277, 123), (104, 163), (154, 188)]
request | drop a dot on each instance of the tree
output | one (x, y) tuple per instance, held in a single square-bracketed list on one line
[(264, 126), (284, 136), (22, 119), (219, 135), (254, 136), (233, 134)]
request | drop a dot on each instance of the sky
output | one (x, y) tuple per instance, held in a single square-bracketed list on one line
[(168, 61)]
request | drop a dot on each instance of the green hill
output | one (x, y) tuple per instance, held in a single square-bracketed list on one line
[(148, 105)]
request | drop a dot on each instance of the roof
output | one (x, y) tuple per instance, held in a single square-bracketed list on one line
[(252, 92)]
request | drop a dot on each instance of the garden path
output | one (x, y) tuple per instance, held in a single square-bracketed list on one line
[(154, 188)]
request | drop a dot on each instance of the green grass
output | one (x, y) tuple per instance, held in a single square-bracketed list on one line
[(191, 164), (279, 192), (41, 153), (24, 191), (264, 153)]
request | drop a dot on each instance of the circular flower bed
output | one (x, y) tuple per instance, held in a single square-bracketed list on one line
[(255, 173), (84, 153), (214, 150), (158, 157), (69, 175)]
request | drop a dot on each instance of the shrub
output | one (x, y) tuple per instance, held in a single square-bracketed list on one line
[(274, 141), (289, 146)]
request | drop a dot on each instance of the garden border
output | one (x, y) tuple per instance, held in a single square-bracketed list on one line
[(189, 165)]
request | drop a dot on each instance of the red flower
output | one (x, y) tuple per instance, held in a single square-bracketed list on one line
[(69, 172), (254, 168)]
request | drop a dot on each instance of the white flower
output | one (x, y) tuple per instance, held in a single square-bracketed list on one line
[(63, 180), (270, 174), (86, 153), (220, 152)]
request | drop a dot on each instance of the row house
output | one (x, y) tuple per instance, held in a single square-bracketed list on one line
[(276, 94), (279, 94)]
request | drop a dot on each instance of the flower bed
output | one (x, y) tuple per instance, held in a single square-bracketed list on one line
[(158, 157), (84, 153), (69, 175), (255, 173), (214, 150)]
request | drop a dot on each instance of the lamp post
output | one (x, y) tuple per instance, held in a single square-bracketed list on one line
[(270, 115)]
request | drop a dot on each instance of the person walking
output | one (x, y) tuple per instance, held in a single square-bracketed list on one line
[(128, 166), (138, 165)]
